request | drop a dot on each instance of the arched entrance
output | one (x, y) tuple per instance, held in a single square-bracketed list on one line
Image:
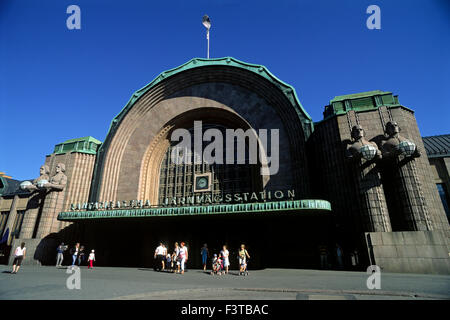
[(162, 179), (134, 164)]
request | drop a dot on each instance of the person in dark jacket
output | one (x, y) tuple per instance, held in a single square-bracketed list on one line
[(60, 254)]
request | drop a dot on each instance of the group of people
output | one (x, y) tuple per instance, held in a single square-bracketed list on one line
[(172, 262), (176, 260), (221, 262), (339, 257), (77, 253)]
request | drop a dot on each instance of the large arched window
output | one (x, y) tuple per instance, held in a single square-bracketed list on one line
[(177, 180)]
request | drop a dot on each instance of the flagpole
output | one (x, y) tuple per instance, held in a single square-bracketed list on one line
[(207, 37), (207, 23)]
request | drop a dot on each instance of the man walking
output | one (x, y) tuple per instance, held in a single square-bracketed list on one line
[(60, 254), (323, 251), (339, 257), (159, 256)]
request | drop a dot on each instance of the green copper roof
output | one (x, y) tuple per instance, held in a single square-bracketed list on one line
[(84, 145), (359, 102), (359, 95), (260, 70)]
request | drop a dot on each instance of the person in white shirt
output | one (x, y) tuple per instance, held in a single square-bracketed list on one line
[(19, 255), (91, 259), (159, 256), (226, 260), (183, 256), (225, 255)]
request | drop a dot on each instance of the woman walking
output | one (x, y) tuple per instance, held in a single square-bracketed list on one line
[(175, 258), (75, 251), (19, 255), (226, 260), (205, 254), (183, 256)]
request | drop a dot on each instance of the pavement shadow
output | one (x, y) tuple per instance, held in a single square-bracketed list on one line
[(151, 269), (6, 271)]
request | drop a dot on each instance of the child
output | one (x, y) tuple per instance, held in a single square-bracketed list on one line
[(217, 265), (91, 259), (169, 262), (220, 266), (214, 264)]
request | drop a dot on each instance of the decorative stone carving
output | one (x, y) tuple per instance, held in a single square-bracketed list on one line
[(365, 173), (362, 148), (53, 203), (395, 145), (37, 183), (58, 181), (411, 213)]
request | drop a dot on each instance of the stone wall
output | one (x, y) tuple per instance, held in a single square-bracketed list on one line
[(410, 251), (333, 176)]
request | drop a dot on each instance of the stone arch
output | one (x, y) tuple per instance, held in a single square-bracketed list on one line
[(152, 159), (243, 90)]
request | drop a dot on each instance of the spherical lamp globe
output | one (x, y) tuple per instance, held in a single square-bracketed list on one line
[(368, 151), (41, 183), (406, 147), (25, 184)]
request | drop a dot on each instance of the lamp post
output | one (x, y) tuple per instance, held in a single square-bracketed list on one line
[(207, 23)]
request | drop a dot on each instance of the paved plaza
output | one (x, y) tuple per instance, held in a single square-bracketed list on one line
[(33, 282)]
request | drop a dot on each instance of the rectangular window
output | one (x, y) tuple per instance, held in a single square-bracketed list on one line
[(18, 223), (3, 219), (443, 193)]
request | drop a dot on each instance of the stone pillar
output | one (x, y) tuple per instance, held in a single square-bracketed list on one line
[(363, 156), (31, 215), (375, 215), (400, 155), (415, 210), (53, 205), (12, 218)]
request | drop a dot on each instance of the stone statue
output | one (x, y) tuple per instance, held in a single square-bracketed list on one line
[(362, 148), (43, 178), (395, 145), (59, 180)]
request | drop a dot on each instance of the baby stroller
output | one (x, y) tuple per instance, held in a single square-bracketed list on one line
[(217, 267), (244, 264)]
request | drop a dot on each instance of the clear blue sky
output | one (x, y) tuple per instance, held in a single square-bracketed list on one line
[(58, 84)]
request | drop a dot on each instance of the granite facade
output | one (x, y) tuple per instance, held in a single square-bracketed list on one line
[(393, 203)]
